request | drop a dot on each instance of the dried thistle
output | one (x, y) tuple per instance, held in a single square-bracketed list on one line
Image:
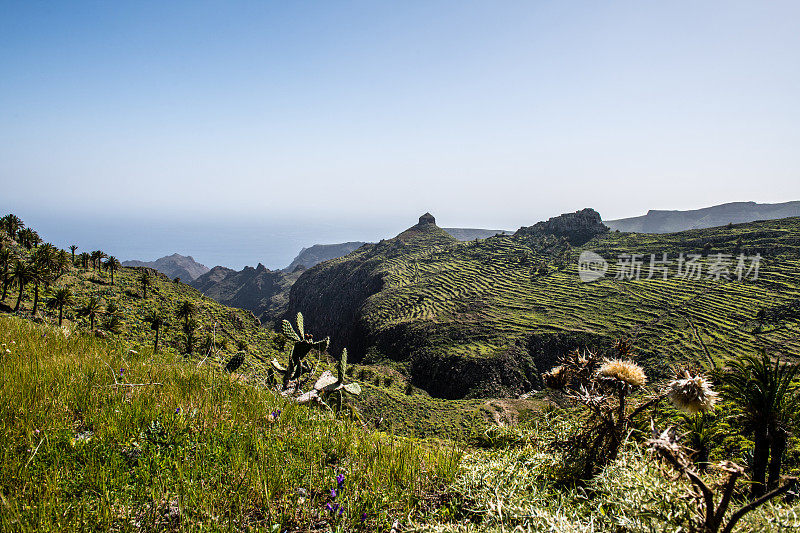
[(692, 394), (558, 378), (710, 509), (626, 372)]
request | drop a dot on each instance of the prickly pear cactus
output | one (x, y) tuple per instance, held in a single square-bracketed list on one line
[(303, 344), (329, 386)]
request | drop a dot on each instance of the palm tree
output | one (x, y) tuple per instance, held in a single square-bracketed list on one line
[(767, 394), (12, 224), (189, 328), (61, 264), (146, 280), (157, 321), (39, 274), (21, 276), (28, 238), (60, 298), (186, 311), (91, 309), (84, 259), (112, 265), (6, 258), (72, 248), (97, 258)]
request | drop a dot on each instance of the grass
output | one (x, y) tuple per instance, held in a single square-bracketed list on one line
[(514, 487), (98, 437)]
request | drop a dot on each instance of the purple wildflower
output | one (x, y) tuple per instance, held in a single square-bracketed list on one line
[(333, 493), (177, 410), (121, 371), (340, 480), (363, 517), (341, 510)]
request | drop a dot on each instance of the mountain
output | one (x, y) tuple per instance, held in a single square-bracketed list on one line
[(318, 253), (264, 292), (657, 221), (173, 266), (486, 318)]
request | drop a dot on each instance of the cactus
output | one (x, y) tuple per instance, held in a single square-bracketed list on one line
[(329, 385), (303, 344)]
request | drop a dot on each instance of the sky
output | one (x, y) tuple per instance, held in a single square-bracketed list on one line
[(360, 116)]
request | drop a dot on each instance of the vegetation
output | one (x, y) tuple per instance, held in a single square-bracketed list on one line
[(112, 439), (125, 432)]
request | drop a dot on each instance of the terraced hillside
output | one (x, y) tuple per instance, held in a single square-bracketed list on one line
[(485, 318)]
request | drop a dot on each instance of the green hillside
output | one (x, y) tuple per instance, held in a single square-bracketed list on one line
[(485, 318)]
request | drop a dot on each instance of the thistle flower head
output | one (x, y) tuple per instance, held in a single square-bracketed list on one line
[(557, 378), (692, 394), (624, 371)]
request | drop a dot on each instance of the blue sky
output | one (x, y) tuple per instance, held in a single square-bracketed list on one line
[(493, 114)]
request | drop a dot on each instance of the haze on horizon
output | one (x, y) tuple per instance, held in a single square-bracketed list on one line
[(488, 114)]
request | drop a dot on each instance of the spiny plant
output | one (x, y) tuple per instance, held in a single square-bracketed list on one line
[(711, 510), (303, 344), (330, 386), (604, 387)]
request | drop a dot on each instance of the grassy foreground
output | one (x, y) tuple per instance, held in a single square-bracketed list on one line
[(96, 436)]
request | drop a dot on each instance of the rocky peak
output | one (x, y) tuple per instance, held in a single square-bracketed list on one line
[(577, 227), (427, 218)]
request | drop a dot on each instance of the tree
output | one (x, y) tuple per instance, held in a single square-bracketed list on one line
[(97, 258), (21, 275), (112, 265), (91, 309), (767, 395), (156, 320), (39, 273), (6, 260), (146, 280), (186, 311), (28, 238), (189, 328), (61, 264), (84, 259), (72, 248), (62, 297), (12, 224)]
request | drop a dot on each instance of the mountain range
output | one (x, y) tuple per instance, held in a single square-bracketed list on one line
[(174, 266), (658, 221), (265, 292)]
